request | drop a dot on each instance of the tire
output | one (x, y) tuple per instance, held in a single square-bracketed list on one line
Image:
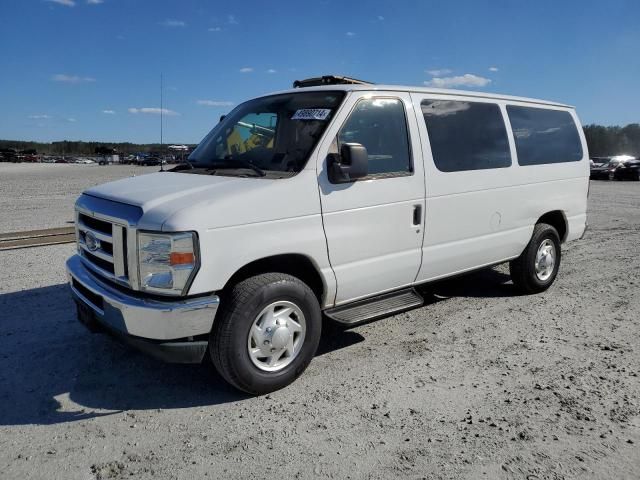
[(233, 336), (524, 274)]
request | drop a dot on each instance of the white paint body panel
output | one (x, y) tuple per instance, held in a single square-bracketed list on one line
[(360, 236), (482, 217), (373, 244)]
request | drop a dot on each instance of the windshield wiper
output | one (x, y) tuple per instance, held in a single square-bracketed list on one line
[(229, 164)]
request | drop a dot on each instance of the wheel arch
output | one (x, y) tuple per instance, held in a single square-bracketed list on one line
[(295, 264), (558, 220)]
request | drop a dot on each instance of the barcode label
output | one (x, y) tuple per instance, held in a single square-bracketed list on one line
[(311, 114)]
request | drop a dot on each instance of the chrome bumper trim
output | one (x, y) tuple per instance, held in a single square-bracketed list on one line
[(143, 317)]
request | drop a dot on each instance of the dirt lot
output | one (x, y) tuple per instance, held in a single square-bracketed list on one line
[(479, 383), (41, 195)]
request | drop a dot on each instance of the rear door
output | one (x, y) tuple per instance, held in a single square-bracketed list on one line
[(473, 199), (374, 225)]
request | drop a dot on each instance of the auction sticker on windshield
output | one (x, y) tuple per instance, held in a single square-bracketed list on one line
[(311, 114)]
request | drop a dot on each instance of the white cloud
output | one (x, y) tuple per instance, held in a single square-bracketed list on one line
[(466, 80), (71, 119), (215, 103), (493, 69), (246, 70), (350, 34), (61, 77), (439, 72), (109, 112), (214, 29), (39, 117), (231, 20), (95, 2), (153, 111), (272, 70), (66, 3), (173, 23)]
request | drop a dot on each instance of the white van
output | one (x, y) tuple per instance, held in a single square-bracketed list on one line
[(335, 200)]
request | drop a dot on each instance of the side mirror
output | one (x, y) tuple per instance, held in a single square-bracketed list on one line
[(352, 163)]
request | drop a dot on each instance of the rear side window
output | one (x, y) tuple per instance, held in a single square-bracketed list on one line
[(380, 125), (466, 135), (544, 136)]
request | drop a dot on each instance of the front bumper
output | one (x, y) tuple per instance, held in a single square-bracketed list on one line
[(162, 328)]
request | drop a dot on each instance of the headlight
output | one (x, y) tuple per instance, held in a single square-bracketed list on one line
[(167, 261)]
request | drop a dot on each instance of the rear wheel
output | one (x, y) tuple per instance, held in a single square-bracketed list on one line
[(266, 333), (537, 267)]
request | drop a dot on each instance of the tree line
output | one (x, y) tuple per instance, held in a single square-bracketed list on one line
[(607, 141), (602, 141)]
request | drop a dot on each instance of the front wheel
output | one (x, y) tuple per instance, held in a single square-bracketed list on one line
[(266, 333), (537, 267)]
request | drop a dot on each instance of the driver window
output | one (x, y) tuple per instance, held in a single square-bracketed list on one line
[(379, 124)]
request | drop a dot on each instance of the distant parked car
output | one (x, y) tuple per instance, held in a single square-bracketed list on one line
[(61, 160), (617, 168), (149, 161), (8, 155), (597, 161), (627, 170)]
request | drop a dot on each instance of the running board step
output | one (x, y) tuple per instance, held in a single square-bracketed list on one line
[(376, 307)]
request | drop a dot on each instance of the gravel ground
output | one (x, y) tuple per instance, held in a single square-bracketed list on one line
[(479, 383), (41, 195)]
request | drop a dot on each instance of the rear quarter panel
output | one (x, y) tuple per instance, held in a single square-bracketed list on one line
[(482, 217)]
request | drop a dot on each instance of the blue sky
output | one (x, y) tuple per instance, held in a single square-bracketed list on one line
[(90, 69)]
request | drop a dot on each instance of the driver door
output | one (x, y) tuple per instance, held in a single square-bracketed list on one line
[(374, 225)]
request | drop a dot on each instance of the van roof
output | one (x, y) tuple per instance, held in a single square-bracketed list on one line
[(439, 91)]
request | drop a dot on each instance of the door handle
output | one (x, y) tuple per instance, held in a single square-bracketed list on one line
[(417, 214)]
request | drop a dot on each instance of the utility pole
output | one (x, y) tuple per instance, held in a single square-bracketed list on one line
[(161, 118)]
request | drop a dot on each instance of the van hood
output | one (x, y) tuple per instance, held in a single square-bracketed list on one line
[(174, 201), (153, 189)]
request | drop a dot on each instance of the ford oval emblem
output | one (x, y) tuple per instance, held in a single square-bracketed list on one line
[(91, 241)]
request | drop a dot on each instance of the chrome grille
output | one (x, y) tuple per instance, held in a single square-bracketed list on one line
[(103, 244), (113, 226)]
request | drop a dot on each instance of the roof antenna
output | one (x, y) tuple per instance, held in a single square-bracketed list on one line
[(161, 115)]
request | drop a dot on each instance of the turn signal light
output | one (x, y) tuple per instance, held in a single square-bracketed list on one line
[(181, 258)]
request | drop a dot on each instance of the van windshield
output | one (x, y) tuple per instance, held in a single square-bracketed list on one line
[(269, 136)]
